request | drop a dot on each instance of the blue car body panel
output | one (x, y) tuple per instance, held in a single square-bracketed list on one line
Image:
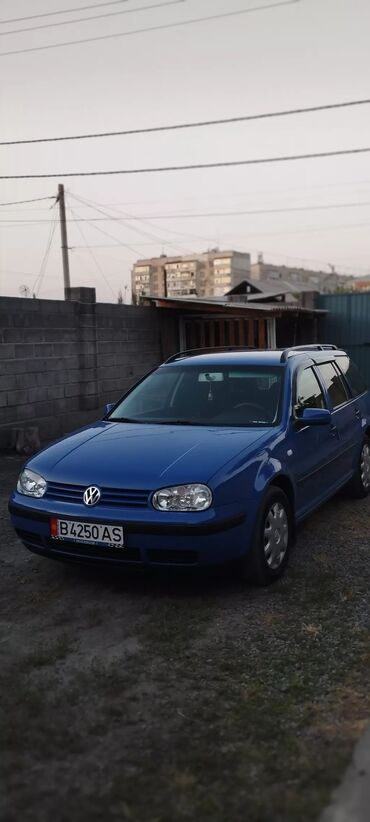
[(130, 461)]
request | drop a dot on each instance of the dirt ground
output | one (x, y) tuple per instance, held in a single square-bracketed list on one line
[(155, 697)]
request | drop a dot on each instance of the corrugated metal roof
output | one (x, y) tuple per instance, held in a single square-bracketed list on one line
[(267, 308), (273, 287)]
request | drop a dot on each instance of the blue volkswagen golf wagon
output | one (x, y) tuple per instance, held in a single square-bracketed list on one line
[(215, 455)]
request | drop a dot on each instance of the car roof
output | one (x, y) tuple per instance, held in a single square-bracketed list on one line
[(254, 357)]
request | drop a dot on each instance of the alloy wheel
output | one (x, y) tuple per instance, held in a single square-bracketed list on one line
[(365, 466), (276, 533)]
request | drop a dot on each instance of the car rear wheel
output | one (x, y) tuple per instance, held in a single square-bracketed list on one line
[(268, 555), (360, 483)]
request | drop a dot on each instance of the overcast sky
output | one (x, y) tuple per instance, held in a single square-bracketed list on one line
[(311, 52)]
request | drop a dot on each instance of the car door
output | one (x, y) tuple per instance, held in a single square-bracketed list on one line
[(314, 447), (358, 389), (346, 419)]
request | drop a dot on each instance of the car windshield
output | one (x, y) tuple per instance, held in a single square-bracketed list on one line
[(194, 395)]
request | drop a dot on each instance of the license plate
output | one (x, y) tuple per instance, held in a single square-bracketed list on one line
[(88, 532)]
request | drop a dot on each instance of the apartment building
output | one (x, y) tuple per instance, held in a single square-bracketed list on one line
[(321, 281), (210, 274)]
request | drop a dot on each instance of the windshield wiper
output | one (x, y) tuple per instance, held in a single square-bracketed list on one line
[(154, 421), (180, 422), (123, 419)]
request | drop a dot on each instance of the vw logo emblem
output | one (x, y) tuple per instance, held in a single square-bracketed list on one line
[(92, 495)]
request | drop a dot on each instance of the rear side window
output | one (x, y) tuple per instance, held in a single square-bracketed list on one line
[(334, 384), (353, 376), (309, 394)]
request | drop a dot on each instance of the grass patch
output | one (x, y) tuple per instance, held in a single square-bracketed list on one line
[(47, 655), (235, 704)]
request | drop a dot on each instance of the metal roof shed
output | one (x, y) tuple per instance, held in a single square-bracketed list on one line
[(199, 323)]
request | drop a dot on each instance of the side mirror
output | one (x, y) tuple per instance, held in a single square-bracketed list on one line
[(314, 416), (108, 407)]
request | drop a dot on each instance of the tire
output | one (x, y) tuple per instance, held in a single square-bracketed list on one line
[(359, 486), (264, 563)]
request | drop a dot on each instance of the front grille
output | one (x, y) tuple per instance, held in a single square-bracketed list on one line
[(78, 549), (125, 498), (172, 557)]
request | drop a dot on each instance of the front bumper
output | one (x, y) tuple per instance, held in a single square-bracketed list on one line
[(207, 538)]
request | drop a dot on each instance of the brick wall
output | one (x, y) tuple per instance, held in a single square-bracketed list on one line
[(60, 362)]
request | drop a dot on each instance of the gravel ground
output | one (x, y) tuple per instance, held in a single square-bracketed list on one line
[(154, 697)]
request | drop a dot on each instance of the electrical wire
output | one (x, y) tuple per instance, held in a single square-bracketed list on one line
[(237, 195), (123, 218), (146, 221), (304, 230), (95, 207), (95, 261), (61, 11), (249, 212), (150, 29), (44, 262), (92, 17), (118, 242), (200, 124), (193, 166), (90, 274), (194, 215), (34, 200)]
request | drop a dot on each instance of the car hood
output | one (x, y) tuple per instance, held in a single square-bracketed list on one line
[(144, 456)]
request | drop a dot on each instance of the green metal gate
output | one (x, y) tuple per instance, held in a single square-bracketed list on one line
[(347, 324)]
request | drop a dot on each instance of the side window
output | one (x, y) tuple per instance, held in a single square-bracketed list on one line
[(309, 394), (334, 383), (354, 377)]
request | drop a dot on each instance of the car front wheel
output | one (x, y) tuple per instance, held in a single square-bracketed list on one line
[(269, 553)]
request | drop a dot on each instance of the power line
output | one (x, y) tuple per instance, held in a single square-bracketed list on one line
[(193, 166), (34, 200), (91, 17), (303, 230), (112, 237), (146, 221), (61, 11), (191, 216), (123, 218), (237, 195), (118, 242), (107, 217), (45, 258), (97, 265), (257, 211), (200, 124), (149, 29), (268, 252)]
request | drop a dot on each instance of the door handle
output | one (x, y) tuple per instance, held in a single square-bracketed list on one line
[(357, 413), (334, 431)]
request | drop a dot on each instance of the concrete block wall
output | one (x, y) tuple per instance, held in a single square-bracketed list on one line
[(60, 362)]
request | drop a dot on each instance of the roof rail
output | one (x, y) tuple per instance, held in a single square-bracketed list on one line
[(193, 352), (296, 349)]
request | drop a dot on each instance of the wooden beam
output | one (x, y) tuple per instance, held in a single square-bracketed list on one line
[(261, 334)]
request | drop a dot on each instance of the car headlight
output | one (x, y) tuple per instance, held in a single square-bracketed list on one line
[(31, 484), (193, 497)]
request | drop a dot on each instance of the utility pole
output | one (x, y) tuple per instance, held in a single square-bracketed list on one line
[(63, 233), (165, 284)]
